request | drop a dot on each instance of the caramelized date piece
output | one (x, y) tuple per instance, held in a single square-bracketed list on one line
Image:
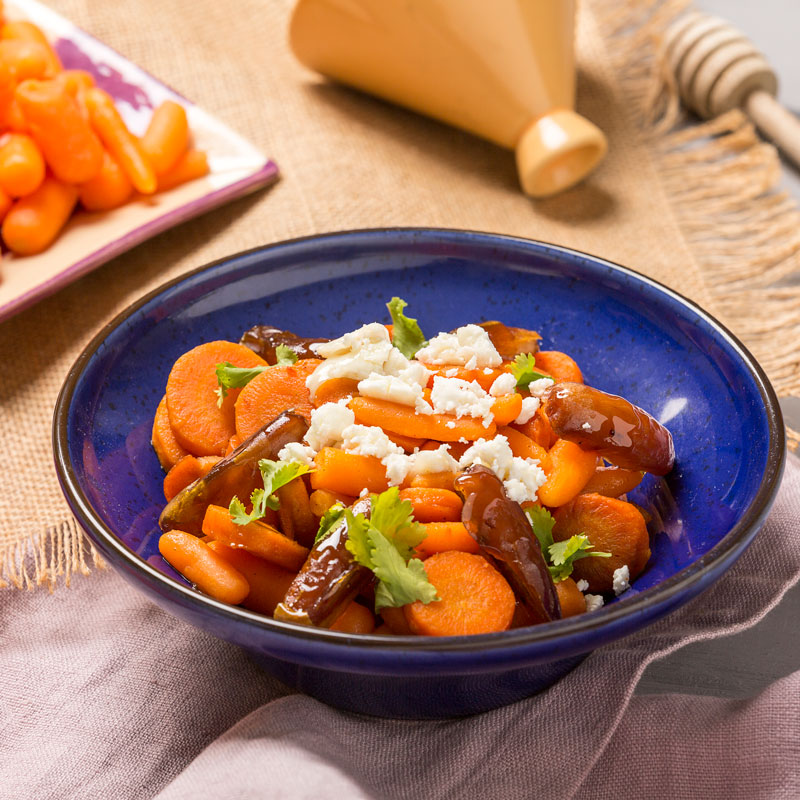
[(510, 342), (328, 581), (610, 426), (236, 474), (264, 339), (504, 534)]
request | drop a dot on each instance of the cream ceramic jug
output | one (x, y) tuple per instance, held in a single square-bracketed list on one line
[(502, 69)]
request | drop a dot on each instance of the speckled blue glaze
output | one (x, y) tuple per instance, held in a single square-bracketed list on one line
[(630, 335)]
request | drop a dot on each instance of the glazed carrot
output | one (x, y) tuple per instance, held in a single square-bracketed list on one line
[(200, 425), (521, 445), (257, 538), (186, 472), (347, 473), (320, 500), (68, 144), (75, 80), (570, 598), (5, 204), (233, 443), (396, 621), (408, 443), (335, 389), (110, 188), (568, 469), (279, 389), (433, 505), (538, 429), (191, 165), (165, 444), (613, 481), (612, 526), (34, 221), (397, 418), (119, 141), (198, 563), (559, 365), (166, 137), (456, 449), (473, 598), (443, 536), (506, 408), (483, 377), (268, 582), (294, 512), (27, 31), (433, 480), (355, 619), (22, 167), (26, 59)]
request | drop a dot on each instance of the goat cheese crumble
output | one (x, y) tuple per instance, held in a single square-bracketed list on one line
[(470, 346), (621, 580)]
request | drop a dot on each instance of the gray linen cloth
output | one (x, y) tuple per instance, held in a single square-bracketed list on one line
[(102, 695)]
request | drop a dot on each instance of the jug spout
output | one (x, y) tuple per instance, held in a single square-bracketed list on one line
[(557, 151)]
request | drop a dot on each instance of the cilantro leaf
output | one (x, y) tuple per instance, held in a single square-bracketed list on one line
[(399, 582), (230, 377), (285, 356), (274, 474), (542, 523), (563, 555), (329, 520), (394, 518), (524, 370), (358, 544), (407, 336)]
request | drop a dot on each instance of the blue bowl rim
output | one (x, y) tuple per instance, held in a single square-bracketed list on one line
[(724, 552)]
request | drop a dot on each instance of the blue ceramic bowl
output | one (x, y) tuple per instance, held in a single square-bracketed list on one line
[(630, 335)]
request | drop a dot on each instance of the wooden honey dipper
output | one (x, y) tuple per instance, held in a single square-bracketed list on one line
[(717, 68)]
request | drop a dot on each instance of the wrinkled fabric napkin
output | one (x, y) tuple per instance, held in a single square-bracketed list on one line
[(103, 695)]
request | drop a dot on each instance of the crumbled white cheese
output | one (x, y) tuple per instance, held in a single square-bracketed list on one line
[(538, 387), (582, 585), (461, 398), (353, 341), (487, 370), (524, 479), (295, 451), (530, 405), (427, 461), (593, 601), (503, 384), (328, 423), (390, 387), (469, 346), (587, 426), (397, 466), (450, 423), (622, 578), (451, 373), (365, 440)]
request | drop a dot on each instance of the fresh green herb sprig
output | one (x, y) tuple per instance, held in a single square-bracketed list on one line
[(230, 377), (407, 336), (524, 370), (274, 474)]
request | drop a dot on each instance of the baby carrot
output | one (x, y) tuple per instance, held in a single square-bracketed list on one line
[(570, 598), (396, 621), (34, 221), (166, 137), (613, 481), (167, 449), (433, 480), (202, 426), (119, 141), (347, 473), (335, 389), (355, 619), (408, 443), (320, 500), (473, 598), (522, 445), (191, 165), (68, 144), (433, 505), (559, 365), (443, 536), (5, 204), (568, 469), (506, 408), (27, 31), (22, 167), (538, 429), (294, 512), (25, 58), (110, 188), (198, 563), (186, 472), (75, 80)]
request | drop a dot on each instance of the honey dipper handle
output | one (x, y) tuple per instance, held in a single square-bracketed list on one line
[(779, 125)]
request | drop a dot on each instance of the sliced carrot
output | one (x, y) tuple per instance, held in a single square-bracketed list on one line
[(396, 621), (559, 365), (613, 481), (200, 425), (355, 619), (320, 500), (433, 480), (570, 598), (119, 141), (506, 408), (397, 418), (110, 188), (473, 598), (22, 167), (294, 512), (568, 469), (433, 505), (268, 582), (191, 165), (233, 443), (69, 145), (27, 31), (612, 526), (167, 136), (538, 429), (408, 443), (34, 221), (185, 472), (198, 563), (257, 538), (521, 445), (334, 390), (279, 389), (347, 473), (443, 536)]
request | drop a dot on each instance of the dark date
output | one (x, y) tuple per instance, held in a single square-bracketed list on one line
[(264, 340)]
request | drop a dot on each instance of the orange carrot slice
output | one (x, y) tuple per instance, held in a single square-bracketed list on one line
[(559, 365), (568, 469), (522, 445), (443, 536), (347, 473), (355, 619), (335, 389), (506, 408), (570, 598), (186, 472), (433, 505)]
